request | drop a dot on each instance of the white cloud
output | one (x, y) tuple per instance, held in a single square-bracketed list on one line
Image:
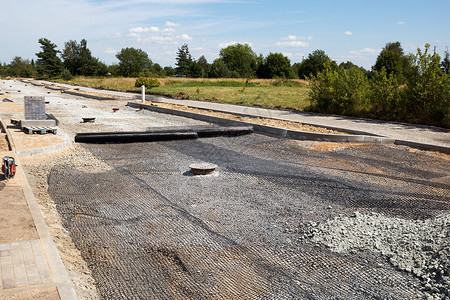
[(348, 33), (401, 23), (365, 51), (290, 38), (294, 41), (162, 39), (292, 44), (224, 45), (171, 24), (110, 51), (186, 37), (168, 30), (145, 29), (117, 35), (294, 57), (369, 51)]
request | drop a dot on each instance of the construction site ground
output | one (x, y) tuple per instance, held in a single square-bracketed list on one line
[(279, 219)]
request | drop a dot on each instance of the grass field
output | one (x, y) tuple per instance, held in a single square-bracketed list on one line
[(273, 93)]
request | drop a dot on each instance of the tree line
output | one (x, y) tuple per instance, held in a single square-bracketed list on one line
[(235, 61)]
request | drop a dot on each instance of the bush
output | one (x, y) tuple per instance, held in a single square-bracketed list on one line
[(425, 98), (66, 75), (148, 82), (384, 94), (427, 93), (339, 90)]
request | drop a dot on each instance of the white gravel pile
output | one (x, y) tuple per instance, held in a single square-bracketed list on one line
[(421, 247)]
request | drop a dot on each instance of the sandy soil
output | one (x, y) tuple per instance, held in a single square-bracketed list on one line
[(326, 146), (3, 144), (42, 294), (14, 204)]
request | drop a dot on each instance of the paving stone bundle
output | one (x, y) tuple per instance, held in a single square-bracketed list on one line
[(34, 108)]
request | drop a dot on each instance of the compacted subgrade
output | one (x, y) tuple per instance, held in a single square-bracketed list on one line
[(149, 228)]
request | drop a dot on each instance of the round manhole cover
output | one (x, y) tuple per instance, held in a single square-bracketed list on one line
[(202, 168)]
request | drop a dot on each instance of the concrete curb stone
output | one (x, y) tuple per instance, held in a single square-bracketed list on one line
[(270, 130)]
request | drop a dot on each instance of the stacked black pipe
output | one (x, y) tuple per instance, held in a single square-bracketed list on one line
[(161, 135)]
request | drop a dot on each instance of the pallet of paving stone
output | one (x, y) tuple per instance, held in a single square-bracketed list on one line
[(39, 130)]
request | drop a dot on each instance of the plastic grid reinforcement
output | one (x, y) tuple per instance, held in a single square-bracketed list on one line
[(149, 229)]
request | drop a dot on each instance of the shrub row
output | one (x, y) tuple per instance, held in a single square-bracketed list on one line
[(147, 82), (424, 98)]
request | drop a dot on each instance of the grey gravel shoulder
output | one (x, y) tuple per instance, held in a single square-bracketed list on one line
[(420, 247)]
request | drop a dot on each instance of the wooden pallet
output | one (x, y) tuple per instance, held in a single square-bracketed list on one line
[(39, 130), (15, 121)]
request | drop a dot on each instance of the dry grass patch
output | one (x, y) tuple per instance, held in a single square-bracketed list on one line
[(272, 93)]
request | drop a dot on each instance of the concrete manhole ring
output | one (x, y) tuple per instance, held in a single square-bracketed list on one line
[(202, 168)]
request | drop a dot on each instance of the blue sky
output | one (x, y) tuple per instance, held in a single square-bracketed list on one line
[(346, 30)]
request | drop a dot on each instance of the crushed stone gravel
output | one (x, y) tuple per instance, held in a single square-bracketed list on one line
[(421, 247)]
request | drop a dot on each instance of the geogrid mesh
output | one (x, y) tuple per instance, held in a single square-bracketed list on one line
[(148, 229)]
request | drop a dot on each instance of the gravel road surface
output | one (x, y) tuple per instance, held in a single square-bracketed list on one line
[(280, 219)]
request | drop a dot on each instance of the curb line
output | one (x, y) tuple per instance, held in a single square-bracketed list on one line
[(421, 146), (45, 150), (269, 130), (90, 96)]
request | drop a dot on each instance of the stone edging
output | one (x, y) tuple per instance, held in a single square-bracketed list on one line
[(270, 130), (48, 149), (89, 96)]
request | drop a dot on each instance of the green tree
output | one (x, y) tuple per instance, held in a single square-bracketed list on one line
[(113, 70), (169, 71), (66, 75), (393, 59), (240, 60), (3, 69), (314, 63), (195, 70), (384, 94), (21, 68), (338, 90), (102, 69), (184, 61), (427, 93), (157, 70), (204, 65), (445, 64), (88, 65), (70, 56), (219, 69), (48, 64), (132, 62), (275, 65)]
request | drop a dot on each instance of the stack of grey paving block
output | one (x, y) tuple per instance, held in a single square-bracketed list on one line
[(35, 108), (35, 113)]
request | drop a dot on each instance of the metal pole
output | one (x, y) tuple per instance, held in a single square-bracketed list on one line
[(143, 94)]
